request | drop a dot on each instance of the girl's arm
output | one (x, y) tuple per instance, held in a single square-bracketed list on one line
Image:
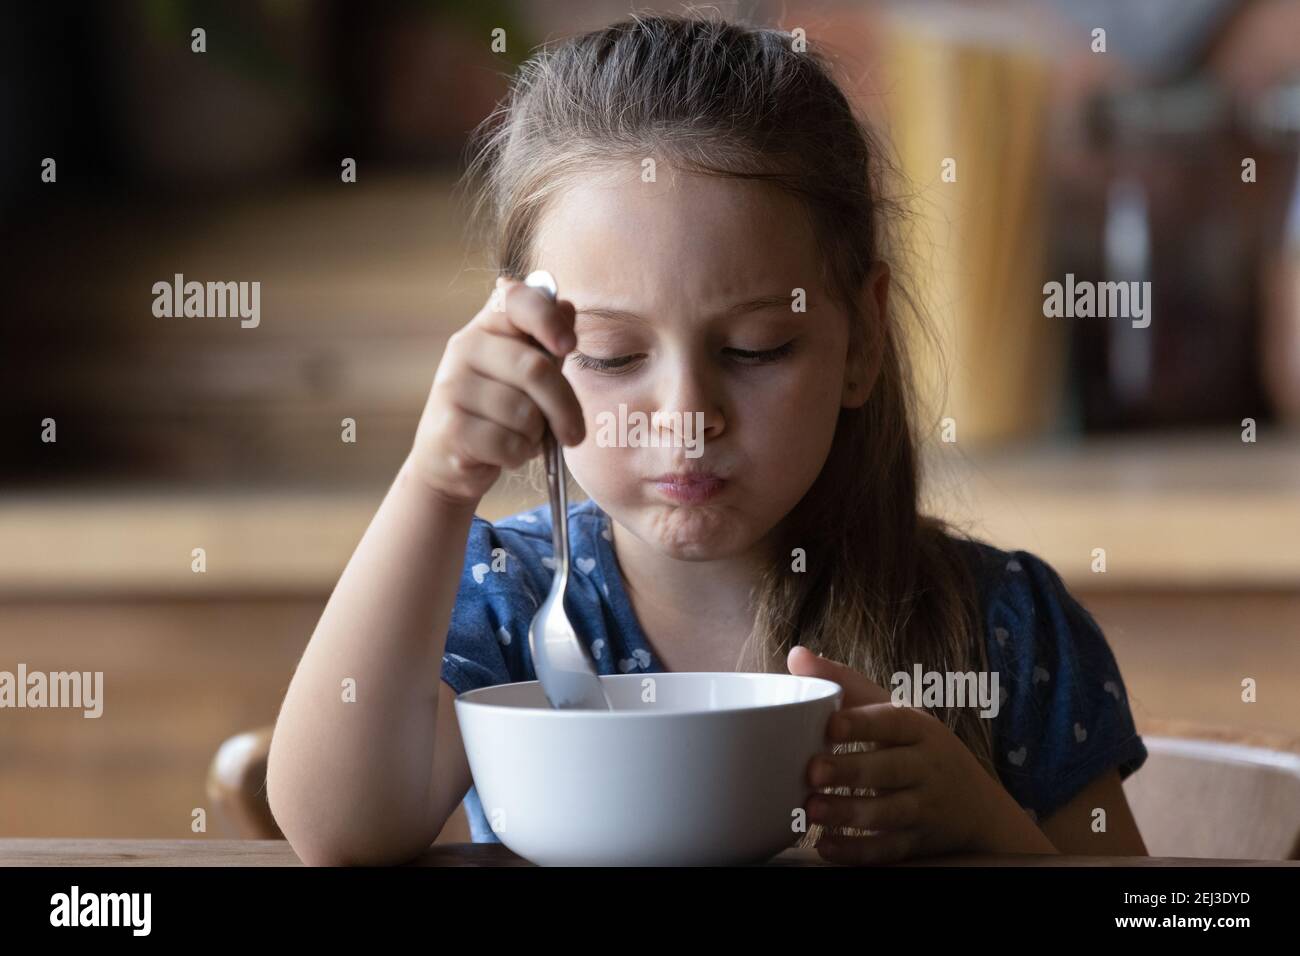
[(350, 782), (1006, 828), (1071, 827), (365, 761)]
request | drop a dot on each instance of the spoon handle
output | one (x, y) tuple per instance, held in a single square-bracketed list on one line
[(553, 453), (556, 480)]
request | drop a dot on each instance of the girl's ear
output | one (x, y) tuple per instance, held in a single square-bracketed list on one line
[(867, 341)]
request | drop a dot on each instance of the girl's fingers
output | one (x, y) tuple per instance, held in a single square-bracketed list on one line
[(885, 724), (887, 768), (896, 810), (515, 308), (497, 402), (514, 362), (858, 688), (861, 850), (475, 441)]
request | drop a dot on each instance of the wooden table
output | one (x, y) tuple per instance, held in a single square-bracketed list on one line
[(90, 852)]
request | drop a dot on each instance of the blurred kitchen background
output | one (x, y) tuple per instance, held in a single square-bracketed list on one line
[(1072, 433)]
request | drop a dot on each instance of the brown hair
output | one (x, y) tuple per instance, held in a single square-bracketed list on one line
[(885, 586)]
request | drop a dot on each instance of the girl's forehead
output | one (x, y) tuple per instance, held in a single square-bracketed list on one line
[(705, 236)]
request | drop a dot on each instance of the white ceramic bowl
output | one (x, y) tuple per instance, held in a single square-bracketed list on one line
[(711, 771)]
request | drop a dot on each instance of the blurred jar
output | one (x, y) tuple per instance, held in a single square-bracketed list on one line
[(968, 95), (1172, 210), (1276, 117)]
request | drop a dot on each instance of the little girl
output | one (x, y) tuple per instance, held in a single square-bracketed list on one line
[(715, 218)]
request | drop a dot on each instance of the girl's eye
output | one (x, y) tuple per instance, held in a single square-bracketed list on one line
[(763, 356), (622, 362), (602, 365)]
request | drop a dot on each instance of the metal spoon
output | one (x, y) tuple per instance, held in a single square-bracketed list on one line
[(563, 664)]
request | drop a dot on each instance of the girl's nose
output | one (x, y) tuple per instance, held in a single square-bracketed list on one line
[(690, 400)]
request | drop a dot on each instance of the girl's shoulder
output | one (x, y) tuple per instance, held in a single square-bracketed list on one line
[(1023, 593), (1033, 626), (1063, 715), (537, 520), (526, 535)]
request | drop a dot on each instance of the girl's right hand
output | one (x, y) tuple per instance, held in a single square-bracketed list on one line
[(493, 393)]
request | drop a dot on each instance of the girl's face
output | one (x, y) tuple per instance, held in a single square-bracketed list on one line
[(686, 306)]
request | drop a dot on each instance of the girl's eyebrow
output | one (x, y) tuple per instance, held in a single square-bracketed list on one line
[(740, 308)]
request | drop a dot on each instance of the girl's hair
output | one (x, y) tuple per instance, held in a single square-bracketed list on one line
[(885, 587)]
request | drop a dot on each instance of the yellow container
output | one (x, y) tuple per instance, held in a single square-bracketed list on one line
[(967, 114)]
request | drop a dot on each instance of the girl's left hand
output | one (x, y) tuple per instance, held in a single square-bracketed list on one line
[(935, 797)]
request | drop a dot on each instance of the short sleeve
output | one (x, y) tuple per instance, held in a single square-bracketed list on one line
[(494, 602), (1064, 717)]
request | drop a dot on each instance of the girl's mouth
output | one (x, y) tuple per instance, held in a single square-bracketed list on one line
[(689, 489)]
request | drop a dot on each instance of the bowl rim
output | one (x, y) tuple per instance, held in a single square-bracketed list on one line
[(830, 690)]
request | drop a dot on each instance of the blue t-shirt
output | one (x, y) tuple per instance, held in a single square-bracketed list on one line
[(1063, 718)]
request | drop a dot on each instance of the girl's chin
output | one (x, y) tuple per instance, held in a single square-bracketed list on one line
[(695, 532)]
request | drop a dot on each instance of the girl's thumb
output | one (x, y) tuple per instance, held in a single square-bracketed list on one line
[(804, 652)]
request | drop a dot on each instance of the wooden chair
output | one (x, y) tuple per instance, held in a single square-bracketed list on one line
[(236, 790), (1204, 791), (1217, 793)]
